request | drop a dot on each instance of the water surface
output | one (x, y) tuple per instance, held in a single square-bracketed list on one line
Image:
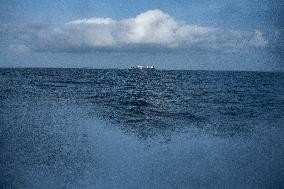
[(87, 128)]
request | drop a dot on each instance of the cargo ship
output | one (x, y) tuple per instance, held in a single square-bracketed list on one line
[(143, 67)]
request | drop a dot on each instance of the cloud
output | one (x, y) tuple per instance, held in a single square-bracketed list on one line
[(151, 29), (104, 21)]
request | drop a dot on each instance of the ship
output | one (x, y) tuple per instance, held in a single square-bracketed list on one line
[(143, 67)]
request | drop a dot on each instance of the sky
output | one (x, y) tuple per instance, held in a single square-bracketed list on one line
[(185, 34)]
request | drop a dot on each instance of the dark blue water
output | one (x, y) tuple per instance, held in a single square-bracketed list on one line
[(84, 128)]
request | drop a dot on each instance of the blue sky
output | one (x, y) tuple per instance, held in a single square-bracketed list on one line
[(193, 34), (238, 14)]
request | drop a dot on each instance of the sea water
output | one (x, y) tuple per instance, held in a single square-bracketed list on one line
[(89, 128)]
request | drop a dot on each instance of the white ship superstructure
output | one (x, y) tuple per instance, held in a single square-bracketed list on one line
[(143, 67)]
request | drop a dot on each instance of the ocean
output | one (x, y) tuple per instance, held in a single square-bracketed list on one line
[(111, 128)]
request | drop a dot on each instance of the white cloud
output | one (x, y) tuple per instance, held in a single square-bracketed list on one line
[(153, 28), (105, 21)]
